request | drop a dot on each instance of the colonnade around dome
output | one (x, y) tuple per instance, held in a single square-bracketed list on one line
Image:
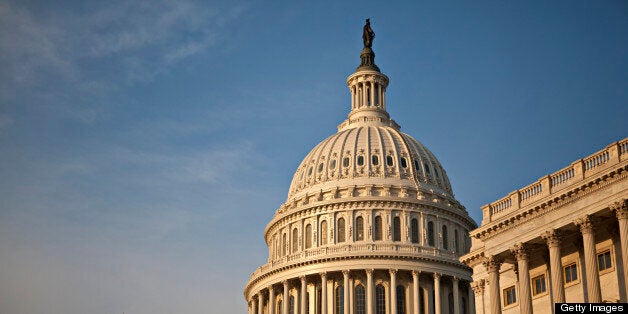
[(368, 291)]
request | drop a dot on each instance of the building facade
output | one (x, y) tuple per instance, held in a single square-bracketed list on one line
[(563, 238), (370, 224)]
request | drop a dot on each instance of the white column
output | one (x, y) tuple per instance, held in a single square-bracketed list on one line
[(303, 293), (260, 303), (393, 291), (286, 299), (621, 211), (345, 289), (552, 237), (372, 93), (588, 242), (492, 265), (525, 302), (352, 97), (253, 304), (369, 291), (351, 295), (456, 295), (364, 97), (271, 300), (323, 293), (478, 290), (437, 302), (415, 291)]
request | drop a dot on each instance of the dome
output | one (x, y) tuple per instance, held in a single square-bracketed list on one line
[(369, 155), (370, 212)]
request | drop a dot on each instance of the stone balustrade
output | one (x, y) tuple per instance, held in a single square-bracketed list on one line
[(570, 176), (363, 249)]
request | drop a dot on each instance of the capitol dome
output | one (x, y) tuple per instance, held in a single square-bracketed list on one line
[(370, 224)]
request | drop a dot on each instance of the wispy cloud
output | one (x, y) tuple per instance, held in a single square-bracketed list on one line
[(86, 55)]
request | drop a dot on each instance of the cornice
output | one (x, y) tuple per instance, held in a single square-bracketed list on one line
[(545, 206)]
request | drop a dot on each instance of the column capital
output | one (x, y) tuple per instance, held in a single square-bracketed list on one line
[(302, 278), (345, 272), (585, 224), (552, 237), (478, 286), (455, 278), (520, 251), (620, 208), (437, 276), (416, 273), (285, 283), (492, 263), (369, 271), (323, 274), (393, 271)]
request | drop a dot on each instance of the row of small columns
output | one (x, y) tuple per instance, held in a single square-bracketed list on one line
[(258, 300), (553, 240), (359, 95)]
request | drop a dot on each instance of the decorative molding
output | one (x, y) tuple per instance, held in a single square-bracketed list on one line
[(552, 237), (520, 251)]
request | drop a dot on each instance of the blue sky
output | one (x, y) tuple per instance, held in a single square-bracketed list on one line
[(144, 145)]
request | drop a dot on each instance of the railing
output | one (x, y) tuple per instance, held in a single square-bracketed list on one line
[(568, 176), (361, 249)]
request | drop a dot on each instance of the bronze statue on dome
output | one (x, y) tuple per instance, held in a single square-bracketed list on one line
[(368, 34)]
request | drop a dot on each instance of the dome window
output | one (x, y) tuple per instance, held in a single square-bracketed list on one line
[(416, 164), (345, 162), (375, 160), (404, 163), (360, 160), (389, 161), (320, 167), (309, 172), (332, 164), (436, 172), (427, 167)]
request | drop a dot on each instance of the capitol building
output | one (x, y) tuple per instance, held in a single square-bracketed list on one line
[(371, 226)]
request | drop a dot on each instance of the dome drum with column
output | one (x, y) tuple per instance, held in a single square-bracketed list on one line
[(370, 211)]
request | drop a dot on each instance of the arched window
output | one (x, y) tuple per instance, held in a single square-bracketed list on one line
[(414, 225), (340, 300), (332, 164), (360, 160), (345, 162), (380, 300), (445, 238), (430, 233), (456, 243), (375, 160), (396, 229), (284, 243), (291, 307), (401, 300), (389, 161), (341, 230), (359, 229), (360, 304), (308, 236), (295, 240), (404, 163), (324, 232), (427, 167), (377, 233)]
